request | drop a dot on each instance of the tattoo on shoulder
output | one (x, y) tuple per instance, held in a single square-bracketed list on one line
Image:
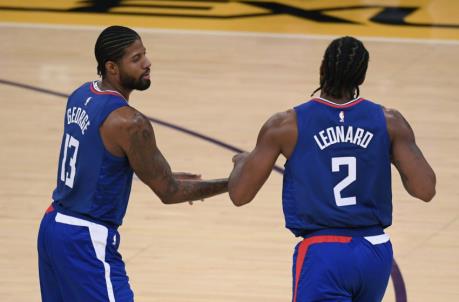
[(140, 131)]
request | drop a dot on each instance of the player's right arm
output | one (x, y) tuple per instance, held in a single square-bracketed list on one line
[(128, 132), (417, 176)]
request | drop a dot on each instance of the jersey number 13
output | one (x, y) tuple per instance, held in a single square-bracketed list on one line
[(68, 175)]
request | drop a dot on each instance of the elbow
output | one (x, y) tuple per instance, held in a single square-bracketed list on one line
[(428, 195), (430, 191), (423, 189), (239, 199), (239, 193), (165, 198), (168, 195)]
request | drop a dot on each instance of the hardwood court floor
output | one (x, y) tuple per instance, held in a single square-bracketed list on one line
[(224, 86)]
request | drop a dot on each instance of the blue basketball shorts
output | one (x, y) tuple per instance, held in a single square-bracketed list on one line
[(341, 268), (78, 261)]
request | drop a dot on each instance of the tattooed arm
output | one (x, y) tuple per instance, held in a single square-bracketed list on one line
[(417, 176), (127, 132)]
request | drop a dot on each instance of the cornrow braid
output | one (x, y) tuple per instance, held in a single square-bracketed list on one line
[(343, 69), (110, 45)]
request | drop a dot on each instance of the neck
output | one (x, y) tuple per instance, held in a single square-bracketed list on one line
[(346, 97), (107, 84)]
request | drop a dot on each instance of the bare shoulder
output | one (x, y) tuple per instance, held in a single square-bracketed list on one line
[(281, 130), (281, 121), (126, 120), (125, 127), (392, 114), (396, 123)]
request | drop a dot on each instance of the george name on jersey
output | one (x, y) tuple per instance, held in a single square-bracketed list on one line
[(343, 134), (77, 115)]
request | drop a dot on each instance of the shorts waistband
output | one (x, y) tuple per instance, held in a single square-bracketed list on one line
[(49, 209), (352, 232), (378, 239), (56, 207)]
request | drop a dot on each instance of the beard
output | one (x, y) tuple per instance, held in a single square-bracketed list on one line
[(132, 83)]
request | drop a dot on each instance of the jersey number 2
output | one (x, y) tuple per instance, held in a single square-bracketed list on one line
[(68, 177), (350, 162)]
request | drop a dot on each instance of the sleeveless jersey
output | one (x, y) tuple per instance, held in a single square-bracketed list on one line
[(91, 182), (338, 175)]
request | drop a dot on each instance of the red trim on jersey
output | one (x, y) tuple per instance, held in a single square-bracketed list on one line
[(49, 209), (93, 90), (303, 250), (347, 105)]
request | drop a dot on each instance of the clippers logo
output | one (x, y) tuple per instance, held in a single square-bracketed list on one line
[(341, 117)]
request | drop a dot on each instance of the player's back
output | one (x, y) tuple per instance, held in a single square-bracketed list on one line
[(338, 175), (91, 182)]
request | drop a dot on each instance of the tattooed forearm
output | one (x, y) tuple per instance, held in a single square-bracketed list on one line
[(189, 190), (152, 168), (147, 160)]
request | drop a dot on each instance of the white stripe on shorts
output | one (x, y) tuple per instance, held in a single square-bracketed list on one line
[(378, 239), (99, 234)]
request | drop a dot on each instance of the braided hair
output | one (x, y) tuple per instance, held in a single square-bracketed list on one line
[(110, 45), (343, 68)]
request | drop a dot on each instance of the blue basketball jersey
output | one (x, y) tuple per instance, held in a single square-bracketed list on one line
[(338, 175), (91, 182)]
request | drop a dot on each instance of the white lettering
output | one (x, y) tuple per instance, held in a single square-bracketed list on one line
[(318, 143), (69, 116), (349, 135), (73, 113), (324, 138), (342, 134), (85, 124), (358, 136), (366, 139), (331, 136), (77, 115)]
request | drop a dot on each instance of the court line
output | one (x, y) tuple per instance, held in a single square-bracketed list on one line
[(232, 33), (396, 275)]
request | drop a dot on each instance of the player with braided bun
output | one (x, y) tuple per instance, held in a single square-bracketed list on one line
[(343, 68), (105, 141), (337, 180)]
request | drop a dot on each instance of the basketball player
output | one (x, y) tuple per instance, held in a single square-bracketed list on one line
[(337, 181), (105, 141)]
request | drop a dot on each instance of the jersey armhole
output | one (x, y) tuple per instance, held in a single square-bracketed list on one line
[(386, 135), (112, 104), (299, 126)]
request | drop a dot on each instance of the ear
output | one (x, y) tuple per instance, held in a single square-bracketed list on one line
[(111, 68)]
